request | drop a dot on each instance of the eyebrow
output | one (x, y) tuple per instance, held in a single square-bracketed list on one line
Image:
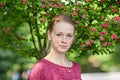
[(62, 32)]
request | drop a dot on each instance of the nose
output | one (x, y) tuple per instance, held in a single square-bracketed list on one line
[(64, 39)]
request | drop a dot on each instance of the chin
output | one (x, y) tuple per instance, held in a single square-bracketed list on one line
[(62, 51)]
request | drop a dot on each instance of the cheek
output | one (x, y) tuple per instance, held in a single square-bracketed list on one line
[(55, 40), (71, 41)]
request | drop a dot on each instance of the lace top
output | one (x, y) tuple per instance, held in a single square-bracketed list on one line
[(46, 70)]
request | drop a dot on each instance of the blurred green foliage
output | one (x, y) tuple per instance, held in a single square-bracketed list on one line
[(23, 27), (97, 25)]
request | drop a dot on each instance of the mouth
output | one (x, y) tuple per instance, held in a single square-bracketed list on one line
[(63, 46)]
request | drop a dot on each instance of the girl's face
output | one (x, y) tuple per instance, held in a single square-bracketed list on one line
[(61, 37)]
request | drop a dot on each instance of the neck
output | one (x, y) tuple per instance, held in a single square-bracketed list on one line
[(58, 58)]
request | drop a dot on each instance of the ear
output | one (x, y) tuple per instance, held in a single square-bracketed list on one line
[(49, 35)]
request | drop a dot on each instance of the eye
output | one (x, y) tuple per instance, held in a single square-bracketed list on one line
[(70, 35), (59, 34)]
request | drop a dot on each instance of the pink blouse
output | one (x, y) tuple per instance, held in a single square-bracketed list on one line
[(46, 70)]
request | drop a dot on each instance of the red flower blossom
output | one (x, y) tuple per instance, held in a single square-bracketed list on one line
[(56, 6), (42, 20), (82, 45), (1, 4), (91, 41), (24, 1), (102, 1), (100, 33), (114, 10), (50, 5), (43, 0), (102, 17), (110, 6), (43, 6), (90, 8), (74, 13), (105, 44), (105, 25), (78, 3), (77, 9), (53, 0), (118, 2), (88, 43), (108, 19), (106, 32), (113, 36), (93, 29), (87, 1), (59, 4), (47, 14), (116, 18), (83, 10), (101, 38), (83, 16), (77, 21)]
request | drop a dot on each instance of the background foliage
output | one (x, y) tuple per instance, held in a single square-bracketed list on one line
[(23, 25), (97, 25)]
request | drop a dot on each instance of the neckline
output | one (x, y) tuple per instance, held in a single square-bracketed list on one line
[(57, 64)]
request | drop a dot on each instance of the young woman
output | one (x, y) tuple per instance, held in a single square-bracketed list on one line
[(55, 66)]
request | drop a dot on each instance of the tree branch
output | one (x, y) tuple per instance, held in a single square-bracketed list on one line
[(33, 39)]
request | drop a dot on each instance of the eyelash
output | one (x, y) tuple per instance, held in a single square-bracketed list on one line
[(70, 35), (67, 35), (58, 34)]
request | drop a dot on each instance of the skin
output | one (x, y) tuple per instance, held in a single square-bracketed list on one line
[(61, 38)]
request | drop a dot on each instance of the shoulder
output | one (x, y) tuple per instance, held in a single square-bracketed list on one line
[(38, 70), (39, 65), (76, 65)]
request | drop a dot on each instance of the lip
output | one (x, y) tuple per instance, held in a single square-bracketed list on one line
[(63, 46)]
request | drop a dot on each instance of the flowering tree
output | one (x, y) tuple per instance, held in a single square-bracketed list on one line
[(97, 24)]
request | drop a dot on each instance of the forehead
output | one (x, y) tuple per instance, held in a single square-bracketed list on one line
[(63, 27)]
